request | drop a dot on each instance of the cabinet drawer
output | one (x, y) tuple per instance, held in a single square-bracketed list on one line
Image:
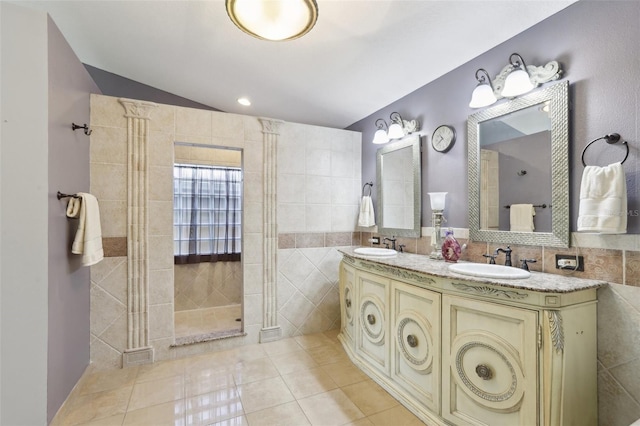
[(489, 360)]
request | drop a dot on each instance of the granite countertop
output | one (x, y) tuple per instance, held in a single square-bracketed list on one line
[(538, 281)]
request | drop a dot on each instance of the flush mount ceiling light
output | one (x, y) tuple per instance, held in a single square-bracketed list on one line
[(518, 82), (515, 79), (244, 101), (275, 20), (482, 95)]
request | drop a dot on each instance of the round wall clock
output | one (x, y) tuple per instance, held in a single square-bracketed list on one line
[(443, 138)]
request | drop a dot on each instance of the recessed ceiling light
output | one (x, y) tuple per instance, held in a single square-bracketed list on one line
[(244, 101)]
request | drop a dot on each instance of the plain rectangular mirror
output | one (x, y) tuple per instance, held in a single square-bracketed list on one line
[(518, 154), (399, 188)]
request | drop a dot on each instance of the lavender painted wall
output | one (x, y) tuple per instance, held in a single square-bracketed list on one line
[(114, 85), (69, 282), (598, 46)]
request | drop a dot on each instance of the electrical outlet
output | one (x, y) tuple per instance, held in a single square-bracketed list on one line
[(568, 262), (375, 240)]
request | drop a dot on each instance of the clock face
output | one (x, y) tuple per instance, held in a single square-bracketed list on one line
[(443, 138)]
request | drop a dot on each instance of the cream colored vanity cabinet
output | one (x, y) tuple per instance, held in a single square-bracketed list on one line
[(468, 352), (372, 310), (347, 298)]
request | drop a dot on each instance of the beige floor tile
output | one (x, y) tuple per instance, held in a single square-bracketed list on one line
[(167, 414), (160, 370), (107, 421), (204, 381), (289, 414), (282, 346), (362, 422), (156, 392), (252, 371), (236, 421), (97, 406), (214, 407), (107, 380), (263, 394), (293, 361), (327, 354), (369, 397), (245, 353), (312, 340), (330, 408), (344, 373), (309, 382), (396, 416)]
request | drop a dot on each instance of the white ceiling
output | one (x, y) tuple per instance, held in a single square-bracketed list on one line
[(361, 56)]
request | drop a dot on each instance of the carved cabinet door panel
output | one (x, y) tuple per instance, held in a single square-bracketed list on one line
[(415, 354), (372, 335), (347, 302), (489, 363)]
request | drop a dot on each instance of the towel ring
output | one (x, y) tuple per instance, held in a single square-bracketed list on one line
[(610, 139), (370, 185)]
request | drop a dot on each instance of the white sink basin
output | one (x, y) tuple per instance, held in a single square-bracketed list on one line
[(485, 270), (373, 251)]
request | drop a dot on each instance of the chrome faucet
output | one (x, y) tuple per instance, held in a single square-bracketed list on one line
[(507, 255), (392, 240)]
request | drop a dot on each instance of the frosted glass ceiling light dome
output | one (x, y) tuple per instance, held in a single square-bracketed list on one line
[(276, 20), (518, 81), (482, 95)]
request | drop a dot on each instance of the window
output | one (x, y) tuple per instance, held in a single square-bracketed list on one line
[(207, 213)]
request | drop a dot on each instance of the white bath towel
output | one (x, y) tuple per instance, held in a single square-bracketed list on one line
[(88, 240), (367, 216), (521, 217), (603, 200)]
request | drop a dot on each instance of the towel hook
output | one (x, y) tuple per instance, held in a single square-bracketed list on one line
[(370, 185), (610, 139), (75, 127)]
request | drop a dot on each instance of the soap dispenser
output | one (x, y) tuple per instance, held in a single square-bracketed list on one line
[(450, 247)]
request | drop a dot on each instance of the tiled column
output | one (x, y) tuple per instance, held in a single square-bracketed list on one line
[(138, 116), (270, 329)]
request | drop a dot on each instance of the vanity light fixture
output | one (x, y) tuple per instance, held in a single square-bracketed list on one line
[(396, 129), (518, 81), (437, 218), (274, 20), (482, 95), (381, 135)]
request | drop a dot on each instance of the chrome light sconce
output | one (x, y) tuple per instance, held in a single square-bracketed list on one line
[(398, 128), (518, 81), (515, 79), (381, 136), (483, 95), (437, 219)]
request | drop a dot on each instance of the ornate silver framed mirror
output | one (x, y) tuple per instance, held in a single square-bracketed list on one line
[(518, 155)]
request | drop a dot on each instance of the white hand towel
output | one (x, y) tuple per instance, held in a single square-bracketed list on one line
[(521, 217), (88, 240), (603, 200), (367, 216)]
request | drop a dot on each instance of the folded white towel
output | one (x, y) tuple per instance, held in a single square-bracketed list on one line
[(521, 217), (603, 200), (88, 240), (367, 216)]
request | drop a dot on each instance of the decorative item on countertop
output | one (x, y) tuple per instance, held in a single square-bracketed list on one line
[(451, 249)]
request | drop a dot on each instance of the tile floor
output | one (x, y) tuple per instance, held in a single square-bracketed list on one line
[(306, 380), (207, 320)]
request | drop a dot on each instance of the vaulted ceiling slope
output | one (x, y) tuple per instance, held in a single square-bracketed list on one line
[(361, 56)]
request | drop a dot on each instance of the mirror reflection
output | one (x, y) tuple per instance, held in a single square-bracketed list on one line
[(519, 170), (515, 156), (399, 194), (207, 218)]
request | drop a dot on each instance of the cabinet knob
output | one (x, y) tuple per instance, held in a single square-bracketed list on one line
[(371, 319), (347, 302), (484, 372), (412, 340)]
